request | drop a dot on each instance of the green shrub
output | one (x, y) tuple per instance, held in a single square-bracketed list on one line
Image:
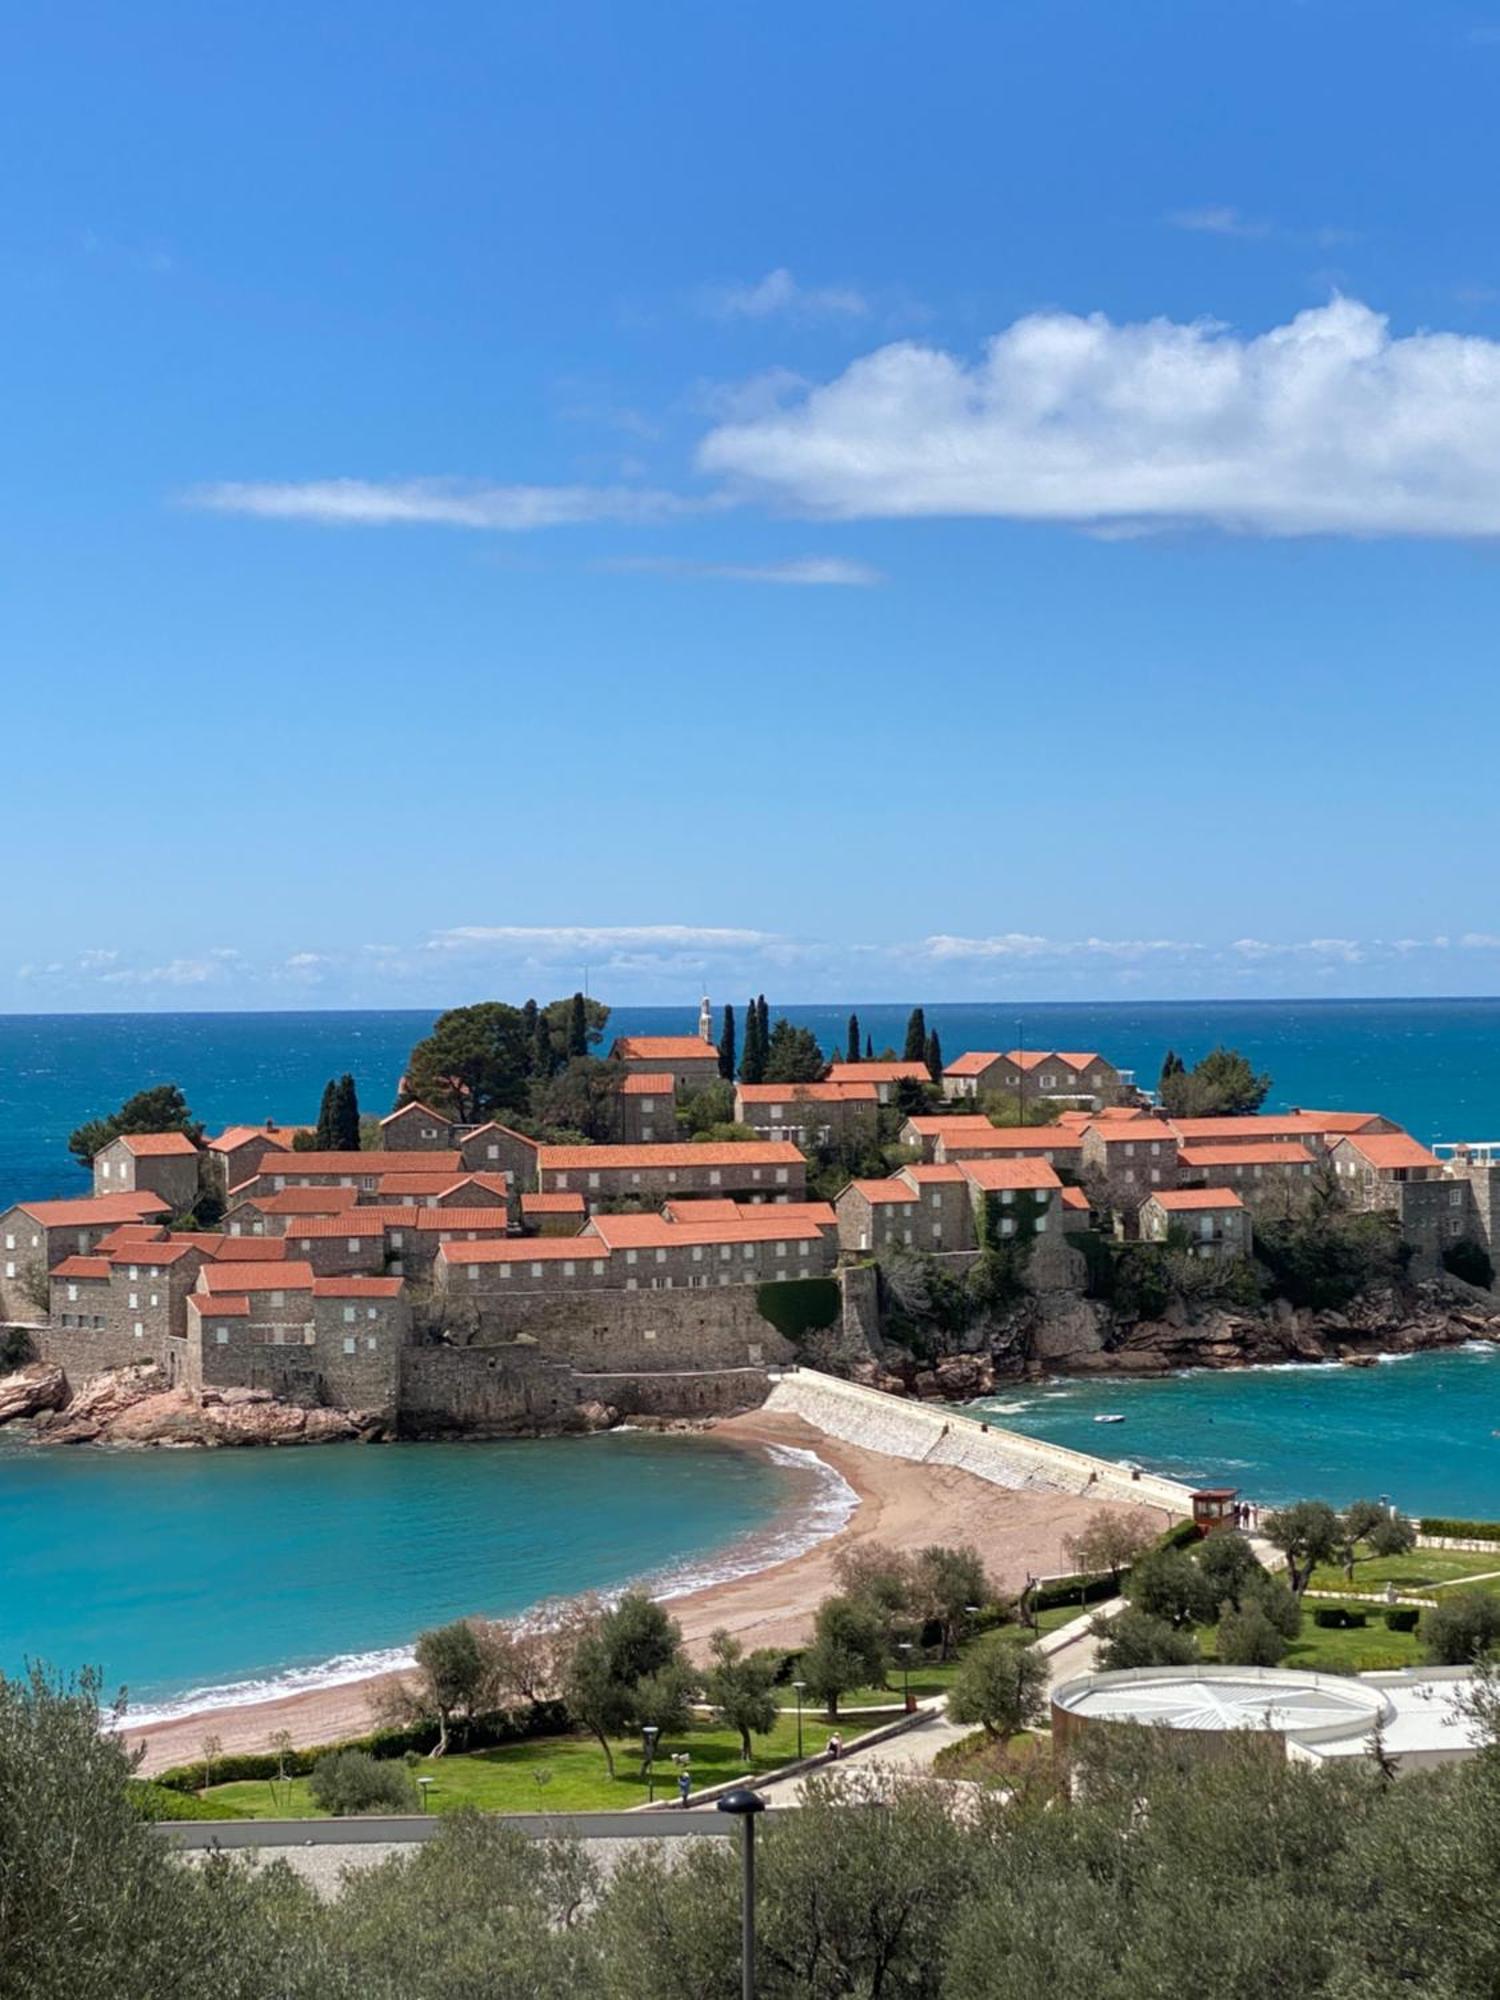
[(1402, 1618), (1460, 1531), (1469, 1261), (15, 1348), (1462, 1627), (352, 1781), (1078, 1590), (797, 1307), (157, 1801), (1340, 1617)]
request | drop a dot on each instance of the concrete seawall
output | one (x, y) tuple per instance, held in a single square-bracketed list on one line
[(928, 1434)]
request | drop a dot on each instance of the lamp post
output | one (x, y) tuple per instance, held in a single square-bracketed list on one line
[(744, 1805), (649, 1735), (800, 1686), (425, 1785), (903, 1647), (972, 1611)]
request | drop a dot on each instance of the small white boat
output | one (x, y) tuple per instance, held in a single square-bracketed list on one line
[(1109, 1420)]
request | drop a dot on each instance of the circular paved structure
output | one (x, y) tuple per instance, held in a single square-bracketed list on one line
[(1214, 1701)]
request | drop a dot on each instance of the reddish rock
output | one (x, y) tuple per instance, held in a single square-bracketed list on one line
[(32, 1390)]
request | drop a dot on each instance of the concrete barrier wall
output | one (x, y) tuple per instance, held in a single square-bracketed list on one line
[(932, 1435)]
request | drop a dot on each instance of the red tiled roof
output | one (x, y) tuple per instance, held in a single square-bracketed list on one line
[(416, 1104), (156, 1145), (356, 1288), (663, 1048), (1011, 1140), (930, 1176), (239, 1249), (1136, 1131), (305, 1201), (932, 1124), (435, 1220), (742, 1152), (1271, 1153), (648, 1083), (235, 1136), (1282, 1125), (1386, 1150), (991, 1175), (131, 1232), (406, 1184), (1077, 1058), (412, 1161), (1075, 1198), (553, 1204), (516, 1250), (351, 1222), (150, 1253), (1184, 1198), (700, 1208), (878, 1192), (491, 1183), (219, 1306), (653, 1232), (81, 1267), (1343, 1121), (879, 1072), (289, 1276), (490, 1125), (101, 1208), (972, 1063)]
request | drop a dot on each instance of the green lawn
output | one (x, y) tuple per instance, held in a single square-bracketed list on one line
[(1413, 1575), (984, 1762), (570, 1769), (1361, 1649)]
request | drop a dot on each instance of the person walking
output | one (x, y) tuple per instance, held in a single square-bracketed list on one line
[(835, 1746), (684, 1787)]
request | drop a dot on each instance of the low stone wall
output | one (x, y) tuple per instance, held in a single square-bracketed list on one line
[(650, 1332), (508, 1391), (686, 1393), (929, 1435)]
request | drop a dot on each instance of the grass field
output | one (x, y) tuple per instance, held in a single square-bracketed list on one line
[(1413, 1575), (554, 1773), (1359, 1650)]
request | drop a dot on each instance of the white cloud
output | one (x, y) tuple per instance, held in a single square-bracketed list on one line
[(448, 503), (778, 292), (1020, 944), (570, 939), (1218, 221), (1327, 425), (797, 570)]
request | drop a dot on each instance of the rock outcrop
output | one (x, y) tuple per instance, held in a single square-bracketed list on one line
[(31, 1391), (135, 1406)]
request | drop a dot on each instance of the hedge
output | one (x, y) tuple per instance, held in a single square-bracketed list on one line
[(548, 1718), (797, 1307), (1402, 1618), (1078, 1590), (1339, 1617), (1460, 1531), (154, 1800)]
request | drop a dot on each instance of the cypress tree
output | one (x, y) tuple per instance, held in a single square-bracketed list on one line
[(726, 1045), (869, 1048), (543, 1057), (327, 1118), (753, 1056), (852, 1046), (530, 1014), (916, 1037), (763, 1026), (578, 1028), (346, 1115), (934, 1056)]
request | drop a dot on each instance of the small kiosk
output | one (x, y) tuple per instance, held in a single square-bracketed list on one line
[(1214, 1508)]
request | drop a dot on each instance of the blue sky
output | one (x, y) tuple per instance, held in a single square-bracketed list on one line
[(872, 501)]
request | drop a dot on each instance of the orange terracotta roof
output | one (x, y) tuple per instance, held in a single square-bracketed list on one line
[(156, 1145), (356, 1288), (698, 1208), (972, 1063), (1281, 1125), (131, 1232), (1342, 1121), (235, 1136), (1013, 1139), (1076, 1199), (1387, 1150), (1077, 1058), (992, 1175), (879, 1072), (552, 1204), (879, 1192), (415, 1104), (240, 1249), (396, 1185), (81, 1267), (663, 1048), (305, 1201), (654, 1232), (646, 1083), (218, 1306), (227, 1277), (1272, 1153), (490, 1125), (99, 1208), (516, 1250), (935, 1175), (1185, 1198), (491, 1183), (743, 1152), (411, 1161), (151, 1253), (434, 1220), (363, 1222), (932, 1124), (1135, 1131)]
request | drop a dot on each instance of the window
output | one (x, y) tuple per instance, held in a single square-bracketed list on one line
[(1130, 1149), (648, 1104), (697, 1253), (350, 1344), (803, 1249), (569, 1267), (1008, 1225), (10, 1242), (353, 1242), (221, 1336), (780, 1249), (593, 1181), (473, 1270), (562, 1180), (632, 1284), (349, 1315), (278, 1298), (725, 1253), (154, 1299), (72, 1292), (1155, 1176), (10, 1267), (492, 1151), (715, 1178), (748, 1251), (661, 1256), (135, 1271), (396, 1239), (138, 1330), (632, 1257)]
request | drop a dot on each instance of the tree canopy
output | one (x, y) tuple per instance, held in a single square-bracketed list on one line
[(1222, 1085), (161, 1108), (793, 1055)]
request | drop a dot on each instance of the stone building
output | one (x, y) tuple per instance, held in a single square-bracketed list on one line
[(415, 1128), (553, 1214), (1278, 1174), (1133, 1156), (924, 1129), (1019, 1142), (1213, 1219), (159, 1163), (236, 1152), (361, 1171), (36, 1235), (749, 1170), (646, 1108), (1028, 1187), (886, 1076), (495, 1149), (1079, 1075), (689, 1060), (1388, 1170), (808, 1114), (270, 1214), (317, 1340)]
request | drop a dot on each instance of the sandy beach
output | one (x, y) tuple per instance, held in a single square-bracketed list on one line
[(1018, 1533)]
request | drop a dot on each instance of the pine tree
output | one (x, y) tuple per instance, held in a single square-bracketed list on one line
[(852, 1048), (916, 1037), (578, 1028), (869, 1048), (345, 1115), (726, 1045), (934, 1056), (327, 1118)]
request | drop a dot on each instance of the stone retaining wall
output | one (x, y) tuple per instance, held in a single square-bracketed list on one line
[(930, 1435)]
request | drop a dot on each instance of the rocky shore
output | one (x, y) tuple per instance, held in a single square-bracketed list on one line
[(136, 1406), (1055, 1334)]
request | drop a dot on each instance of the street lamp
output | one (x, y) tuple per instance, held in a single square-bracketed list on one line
[(426, 1785), (801, 1687), (649, 1735), (903, 1647), (744, 1805)]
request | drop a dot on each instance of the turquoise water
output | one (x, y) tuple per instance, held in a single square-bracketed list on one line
[(1421, 1429), (1432, 1064), (177, 1571)]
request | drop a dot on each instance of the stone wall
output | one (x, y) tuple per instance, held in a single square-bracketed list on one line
[(629, 1331), (498, 1391), (682, 1393)]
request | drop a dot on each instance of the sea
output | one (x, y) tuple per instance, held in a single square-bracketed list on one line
[(199, 1579)]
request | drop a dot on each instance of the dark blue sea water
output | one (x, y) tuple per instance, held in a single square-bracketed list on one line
[(1432, 1064), (266, 1570), (1423, 1430)]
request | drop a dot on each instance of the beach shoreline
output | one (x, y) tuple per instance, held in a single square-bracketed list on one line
[(1018, 1532)]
